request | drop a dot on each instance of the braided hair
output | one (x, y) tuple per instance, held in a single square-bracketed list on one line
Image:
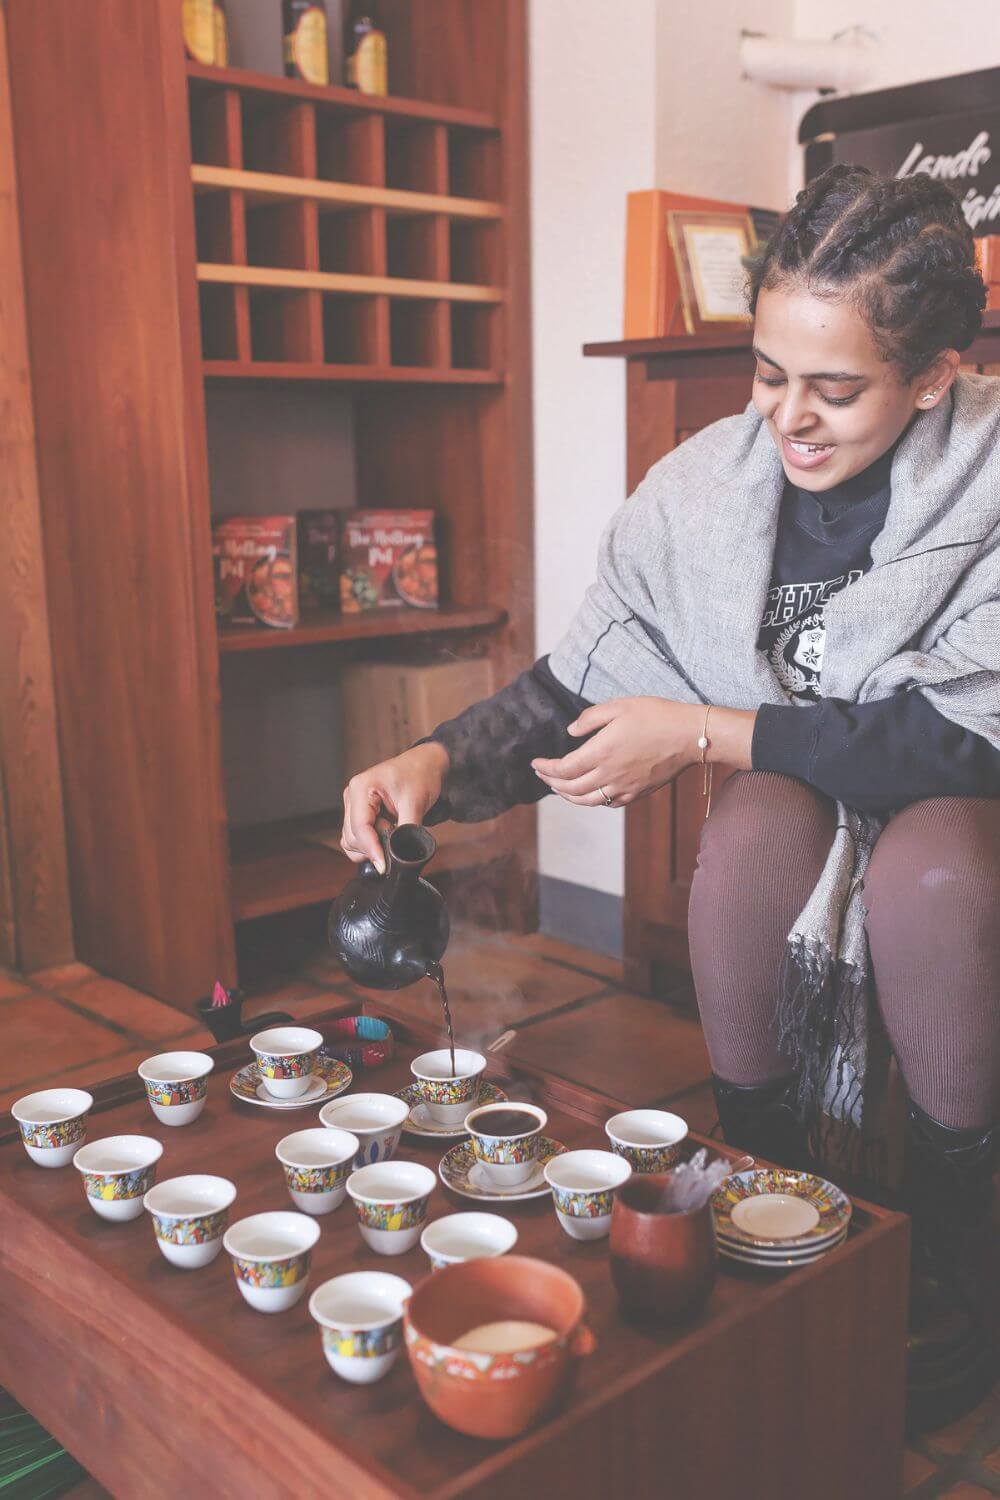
[(899, 248)]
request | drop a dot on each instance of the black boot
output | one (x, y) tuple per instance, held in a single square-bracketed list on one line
[(760, 1117), (948, 1190)]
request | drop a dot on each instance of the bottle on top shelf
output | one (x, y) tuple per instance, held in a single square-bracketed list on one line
[(305, 41), (366, 52), (198, 20)]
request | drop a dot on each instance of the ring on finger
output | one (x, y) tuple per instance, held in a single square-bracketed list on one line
[(608, 801)]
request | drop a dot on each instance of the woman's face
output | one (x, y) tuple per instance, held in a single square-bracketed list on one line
[(822, 383)]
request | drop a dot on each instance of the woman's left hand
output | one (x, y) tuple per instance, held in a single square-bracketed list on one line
[(640, 745)]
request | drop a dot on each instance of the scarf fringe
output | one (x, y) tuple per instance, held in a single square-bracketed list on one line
[(822, 1026)]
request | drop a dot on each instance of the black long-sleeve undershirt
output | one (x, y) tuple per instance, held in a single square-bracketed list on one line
[(876, 757)]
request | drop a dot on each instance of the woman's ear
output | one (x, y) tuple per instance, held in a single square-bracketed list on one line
[(934, 383)]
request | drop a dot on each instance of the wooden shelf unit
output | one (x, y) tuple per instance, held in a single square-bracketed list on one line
[(338, 232), (220, 228)]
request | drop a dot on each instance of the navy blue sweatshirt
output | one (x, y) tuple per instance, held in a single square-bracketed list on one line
[(876, 756)]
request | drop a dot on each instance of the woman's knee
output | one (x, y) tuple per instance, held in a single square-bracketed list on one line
[(935, 871), (761, 815)]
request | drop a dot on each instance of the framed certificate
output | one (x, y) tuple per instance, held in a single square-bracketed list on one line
[(708, 252)]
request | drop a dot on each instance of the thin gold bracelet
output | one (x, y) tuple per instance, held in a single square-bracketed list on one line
[(707, 766)]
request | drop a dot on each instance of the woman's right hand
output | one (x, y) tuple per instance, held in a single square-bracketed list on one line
[(402, 788)]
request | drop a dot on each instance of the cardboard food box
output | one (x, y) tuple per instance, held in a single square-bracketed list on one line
[(386, 705), (388, 560), (319, 564), (255, 567)]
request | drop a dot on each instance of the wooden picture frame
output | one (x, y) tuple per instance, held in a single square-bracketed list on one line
[(706, 248)]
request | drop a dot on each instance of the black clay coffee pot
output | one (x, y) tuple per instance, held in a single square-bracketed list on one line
[(391, 930)]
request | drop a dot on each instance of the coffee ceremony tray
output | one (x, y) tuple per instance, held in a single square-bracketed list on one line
[(163, 1381)]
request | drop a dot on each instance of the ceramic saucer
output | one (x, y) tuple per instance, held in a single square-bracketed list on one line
[(460, 1171), (330, 1079), (826, 1210), (779, 1260), (421, 1123)]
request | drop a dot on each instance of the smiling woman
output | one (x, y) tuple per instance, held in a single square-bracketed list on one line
[(810, 592)]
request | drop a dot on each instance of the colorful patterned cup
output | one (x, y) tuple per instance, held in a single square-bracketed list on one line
[(189, 1217), (317, 1164), (176, 1085), (271, 1258), (286, 1059), (361, 1319), (376, 1119), (53, 1124), (459, 1237), (448, 1096), (117, 1172), (391, 1199), (583, 1187), (649, 1139), (505, 1160)]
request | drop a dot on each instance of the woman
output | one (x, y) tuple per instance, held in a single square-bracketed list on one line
[(810, 593)]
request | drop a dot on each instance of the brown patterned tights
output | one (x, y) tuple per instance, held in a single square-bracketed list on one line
[(933, 898)]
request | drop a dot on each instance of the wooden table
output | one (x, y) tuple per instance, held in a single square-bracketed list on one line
[(162, 1381)]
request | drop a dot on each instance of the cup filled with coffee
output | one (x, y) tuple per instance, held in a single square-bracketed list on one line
[(506, 1140), (448, 1083)]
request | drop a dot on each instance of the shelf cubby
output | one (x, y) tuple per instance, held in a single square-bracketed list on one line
[(355, 330), (350, 148), (353, 241), (476, 334), (284, 326)]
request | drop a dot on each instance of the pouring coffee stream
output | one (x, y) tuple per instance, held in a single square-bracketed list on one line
[(390, 930)]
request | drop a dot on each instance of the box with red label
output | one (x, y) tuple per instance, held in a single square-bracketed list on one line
[(255, 566), (388, 560)]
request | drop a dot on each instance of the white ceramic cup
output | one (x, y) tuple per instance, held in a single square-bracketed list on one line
[(117, 1172), (53, 1124), (459, 1237), (317, 1164), (376, 1119), (505, 1160), (583, 1186), (390, 1199), (271, 1256), (176, 1085), (649, 1139), (448, 1096), (286, 1059), (361, 1320), (189, 1217)]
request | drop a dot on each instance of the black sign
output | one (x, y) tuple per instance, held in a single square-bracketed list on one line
[(946, 128)]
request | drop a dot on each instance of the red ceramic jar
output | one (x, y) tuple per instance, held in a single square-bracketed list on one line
[(494, 1395)]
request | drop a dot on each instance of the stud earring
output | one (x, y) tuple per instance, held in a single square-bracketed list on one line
[(931, 394)]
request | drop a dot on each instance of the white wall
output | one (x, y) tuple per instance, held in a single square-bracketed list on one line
[(619, 102), (718, 134), (592, 140)]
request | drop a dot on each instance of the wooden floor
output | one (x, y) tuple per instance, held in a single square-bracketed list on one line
[(71, 1026)]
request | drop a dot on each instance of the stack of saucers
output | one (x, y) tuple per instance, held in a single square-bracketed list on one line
[(778, 1219)]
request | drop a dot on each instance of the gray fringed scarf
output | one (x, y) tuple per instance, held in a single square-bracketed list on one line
[(684, 570)]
